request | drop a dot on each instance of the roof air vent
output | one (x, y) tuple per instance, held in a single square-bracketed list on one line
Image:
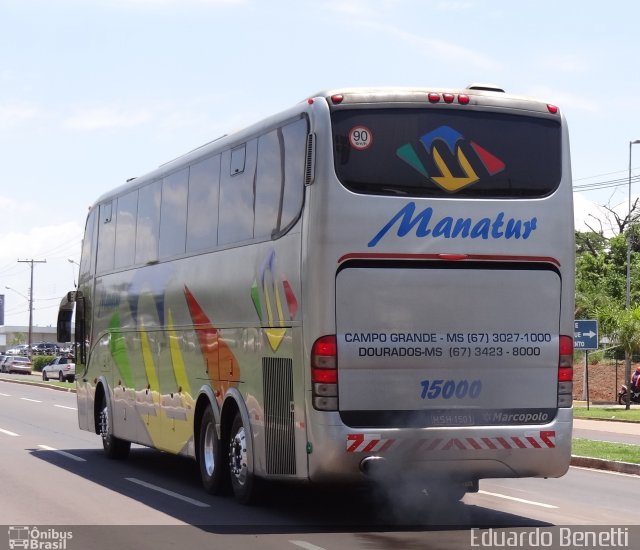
[(485, 87)]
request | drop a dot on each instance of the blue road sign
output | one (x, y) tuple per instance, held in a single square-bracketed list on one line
[(585, 334)]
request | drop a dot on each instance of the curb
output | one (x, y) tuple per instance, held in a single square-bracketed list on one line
[(38, 384), (608, 465)]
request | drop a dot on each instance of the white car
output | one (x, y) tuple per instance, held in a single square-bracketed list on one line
[(22, 349), (63, 368)]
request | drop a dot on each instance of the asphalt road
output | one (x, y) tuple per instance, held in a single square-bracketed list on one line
[(55, 475)]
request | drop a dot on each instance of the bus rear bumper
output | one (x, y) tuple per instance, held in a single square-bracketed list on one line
[(464, 454)]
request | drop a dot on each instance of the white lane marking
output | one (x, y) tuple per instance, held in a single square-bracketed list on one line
[(609, 472), (5, 395), (305, 544), (32, 400), (65, 407), (542, 504), (63, 453), (7, 432), (167, 492)]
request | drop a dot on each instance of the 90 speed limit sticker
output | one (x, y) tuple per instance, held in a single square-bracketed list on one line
[(360, 138)]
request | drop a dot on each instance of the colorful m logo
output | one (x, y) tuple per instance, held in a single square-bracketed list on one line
[(451, 139)]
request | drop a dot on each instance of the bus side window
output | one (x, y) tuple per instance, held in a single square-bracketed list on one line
[(87, 258), (238, 156), (236, 197), (204, 187), (173, 214), (269, 184), (148, 223), (295, 141), (106, 238), (126, 229)]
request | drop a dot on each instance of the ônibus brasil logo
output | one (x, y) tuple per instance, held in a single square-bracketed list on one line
[(34, 538), (465, 175)]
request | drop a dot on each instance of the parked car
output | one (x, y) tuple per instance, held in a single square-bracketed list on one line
[(45, 348), (19, 364), (63, 368), (3, 360), (21, 349)]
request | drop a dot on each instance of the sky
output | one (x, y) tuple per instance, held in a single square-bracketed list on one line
[(93, 92)]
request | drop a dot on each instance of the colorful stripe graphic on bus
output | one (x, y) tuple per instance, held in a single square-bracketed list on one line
[(451, 139), (222, 365), (275, 294)]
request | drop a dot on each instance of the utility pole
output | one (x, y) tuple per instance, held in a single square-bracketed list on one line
[(31, 299)]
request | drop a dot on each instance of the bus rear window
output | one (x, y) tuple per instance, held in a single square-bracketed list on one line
[(441, 153)]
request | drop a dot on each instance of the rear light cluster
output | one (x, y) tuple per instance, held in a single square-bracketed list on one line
[(435, 97), (324, 373), (565, 372)]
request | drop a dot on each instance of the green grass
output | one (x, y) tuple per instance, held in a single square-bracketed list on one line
[(608, 413), (620, 452), (66, 385)]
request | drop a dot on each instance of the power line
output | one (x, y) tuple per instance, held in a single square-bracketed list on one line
[(606, 184)]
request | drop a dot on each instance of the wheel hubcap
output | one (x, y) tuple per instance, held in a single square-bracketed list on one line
[(208, 450), (104, 422), (238, 456)]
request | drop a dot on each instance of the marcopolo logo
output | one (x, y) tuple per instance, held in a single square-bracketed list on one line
[(34, 538), (454, 178)]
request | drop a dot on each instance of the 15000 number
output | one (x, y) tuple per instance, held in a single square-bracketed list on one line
[(448, 389)]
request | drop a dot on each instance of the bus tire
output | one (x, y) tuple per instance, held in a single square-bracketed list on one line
[(243, 482), (114, 447), (214, 469)]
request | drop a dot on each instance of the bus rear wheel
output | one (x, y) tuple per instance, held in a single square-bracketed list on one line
[(244, 484), (113, 446), (214, 470)]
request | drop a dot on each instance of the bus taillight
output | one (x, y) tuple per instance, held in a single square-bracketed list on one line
[(565, 372), (433, 97), (324, 373)]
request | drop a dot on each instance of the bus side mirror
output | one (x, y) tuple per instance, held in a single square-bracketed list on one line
[(65, 313)]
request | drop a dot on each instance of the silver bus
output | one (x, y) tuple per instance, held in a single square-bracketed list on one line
[(376, 284)]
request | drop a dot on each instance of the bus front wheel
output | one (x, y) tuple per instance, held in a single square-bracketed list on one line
[(114, 447), (213, 469)]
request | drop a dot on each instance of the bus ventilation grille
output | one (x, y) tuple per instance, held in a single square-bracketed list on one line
[(310, 161), (278, 416)]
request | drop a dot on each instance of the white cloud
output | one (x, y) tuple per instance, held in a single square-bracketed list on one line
[(565, 99), (152, 4), (7, 203), (454, 7), (101, 118), (12, 115), (39, 241), (565, 63)]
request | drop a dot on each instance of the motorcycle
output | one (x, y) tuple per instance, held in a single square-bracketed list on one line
[(622, 395)]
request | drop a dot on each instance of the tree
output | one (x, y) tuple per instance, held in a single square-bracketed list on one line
[(601, 277), (17, 338)]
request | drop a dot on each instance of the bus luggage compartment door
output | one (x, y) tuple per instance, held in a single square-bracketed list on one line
[(456, 343)]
